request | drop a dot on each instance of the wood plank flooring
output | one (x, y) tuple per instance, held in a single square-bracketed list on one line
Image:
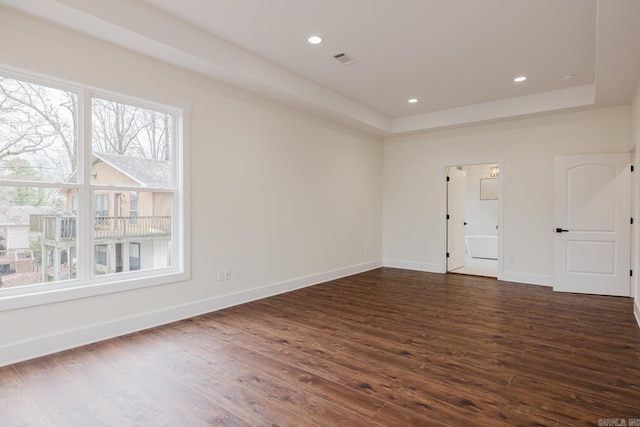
[(387, 347)]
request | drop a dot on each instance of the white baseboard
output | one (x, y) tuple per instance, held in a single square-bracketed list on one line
[(636, 310), (507, 276), (529, 279), (30, 349), (416, 266)]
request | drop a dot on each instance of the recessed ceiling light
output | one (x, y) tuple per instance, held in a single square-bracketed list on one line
[(520, 79), (412, 100), (315, 39)]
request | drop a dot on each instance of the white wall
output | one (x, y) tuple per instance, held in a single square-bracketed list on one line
[(414, 187), (481, 216), (635, 117), (279, 197)]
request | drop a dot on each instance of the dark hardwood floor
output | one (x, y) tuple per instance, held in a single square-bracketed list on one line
[(387, 347)]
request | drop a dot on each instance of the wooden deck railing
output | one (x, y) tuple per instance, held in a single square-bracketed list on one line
[(59, 228), (120, 227), (63, 229)]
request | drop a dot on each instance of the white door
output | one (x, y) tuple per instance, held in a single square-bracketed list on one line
[(592, 224), (455, 218)]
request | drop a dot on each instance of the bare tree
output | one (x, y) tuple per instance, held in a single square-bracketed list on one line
[(115, 126), (128, 130), (156, 141), (42, 121), (31, 121)]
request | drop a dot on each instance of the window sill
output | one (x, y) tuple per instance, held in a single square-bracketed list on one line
[(72, 290)]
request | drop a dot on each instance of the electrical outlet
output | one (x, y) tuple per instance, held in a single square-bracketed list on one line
[(227, 274), (220, 275)]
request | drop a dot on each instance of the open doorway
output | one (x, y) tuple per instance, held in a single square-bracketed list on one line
[(472, 219)]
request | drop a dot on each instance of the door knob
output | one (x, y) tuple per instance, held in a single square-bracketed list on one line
[(561, 230)]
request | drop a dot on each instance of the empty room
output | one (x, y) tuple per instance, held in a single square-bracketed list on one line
[(281, 212)]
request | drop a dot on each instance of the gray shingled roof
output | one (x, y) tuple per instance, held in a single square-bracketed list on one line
[(20, 214), (148, 172)]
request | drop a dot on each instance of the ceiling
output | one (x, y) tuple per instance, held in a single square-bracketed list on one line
[(457, 57)]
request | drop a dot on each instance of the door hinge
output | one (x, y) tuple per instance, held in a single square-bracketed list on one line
[(631, 168), (631, 273), (632, 221), (448, 217), (447, 254), (448, 179)]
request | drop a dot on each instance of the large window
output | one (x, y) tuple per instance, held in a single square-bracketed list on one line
[(81, 175), (102, 205), (101, 255), (134, 256)]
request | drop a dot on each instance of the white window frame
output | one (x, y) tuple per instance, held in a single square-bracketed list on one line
[(87, 284)]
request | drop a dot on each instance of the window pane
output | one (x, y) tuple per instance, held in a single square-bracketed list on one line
[(134, 256), (38, 137), (101, 204), (101, 255), (133, 206), (129, 130), (121, 237), (38, 236), (131, 146)]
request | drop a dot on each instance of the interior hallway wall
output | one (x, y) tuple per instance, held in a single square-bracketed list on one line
[(414, 184)]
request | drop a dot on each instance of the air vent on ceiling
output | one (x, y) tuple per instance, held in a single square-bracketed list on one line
[(345, 59)]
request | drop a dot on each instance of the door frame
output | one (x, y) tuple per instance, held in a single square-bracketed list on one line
[(443, 198), (635, 214)]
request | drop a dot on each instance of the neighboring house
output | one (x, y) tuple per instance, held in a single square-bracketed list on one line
[(132, 229), (14, 237)]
